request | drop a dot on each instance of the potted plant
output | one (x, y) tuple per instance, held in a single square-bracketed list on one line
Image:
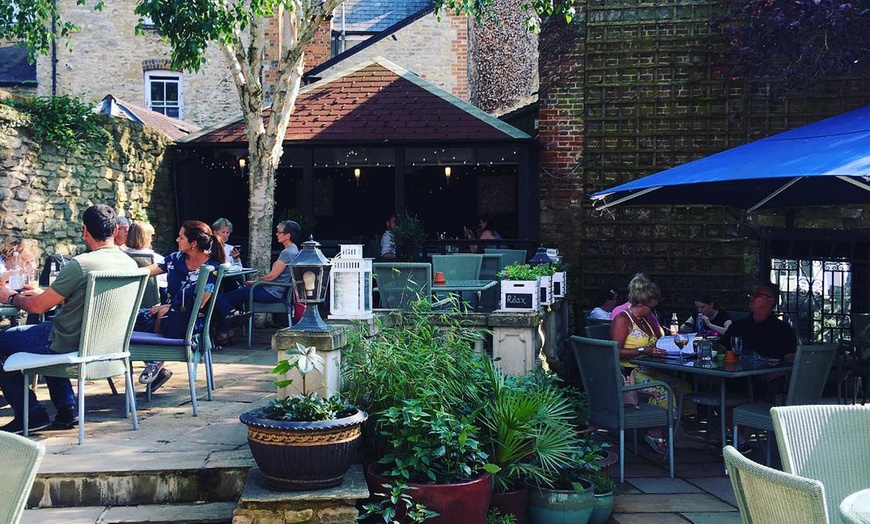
[(303, 442), (409, 235), (519, 287), (603, 489), (570, 499)]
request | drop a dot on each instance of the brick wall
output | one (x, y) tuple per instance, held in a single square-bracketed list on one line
[(319, 50)]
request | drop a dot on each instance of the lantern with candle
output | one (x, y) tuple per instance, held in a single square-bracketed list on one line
[(350, 284), (310, 272)]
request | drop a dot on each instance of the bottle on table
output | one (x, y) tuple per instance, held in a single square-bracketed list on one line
[(53, 272), (16, 275), (675, 324), (699, 326)]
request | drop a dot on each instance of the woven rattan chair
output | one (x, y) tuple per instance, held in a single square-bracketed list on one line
[(112, 300), (598, 331), (828, 443), (400, 283), (808, 376), (19, 460), (508, 256), (598, 361), (285, 306), (768, 496)]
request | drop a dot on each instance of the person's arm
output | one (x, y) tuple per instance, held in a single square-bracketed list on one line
[(688, 326), (719, 329), (275, 272), (31, 300), (619, 330)]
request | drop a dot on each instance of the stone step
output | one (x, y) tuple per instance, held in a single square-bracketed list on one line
[(188, 513)]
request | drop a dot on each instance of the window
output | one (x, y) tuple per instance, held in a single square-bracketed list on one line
[(164, 93)]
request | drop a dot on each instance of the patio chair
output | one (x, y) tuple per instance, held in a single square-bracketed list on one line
[(598, 331), (767, 495), (285, 306), (598, 361), (458, 267), (195, 345), (827, 443), (490, 265), (400, 283), (808, 376), (508, 256), (19, 460), (152, 290), (112, 300)]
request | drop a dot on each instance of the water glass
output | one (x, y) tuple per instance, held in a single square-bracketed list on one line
[(705, 353), (737, 345)]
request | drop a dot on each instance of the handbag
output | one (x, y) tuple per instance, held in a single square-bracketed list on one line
[(630, 398)]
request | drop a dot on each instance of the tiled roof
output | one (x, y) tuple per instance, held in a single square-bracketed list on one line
[(171, 127), (376, 15), (14, 68), (377, 101)]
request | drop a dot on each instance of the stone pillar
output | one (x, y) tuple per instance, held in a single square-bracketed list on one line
[(516, 340), (328, 344)]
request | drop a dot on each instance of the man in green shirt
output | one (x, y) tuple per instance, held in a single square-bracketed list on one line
[(62, 333)]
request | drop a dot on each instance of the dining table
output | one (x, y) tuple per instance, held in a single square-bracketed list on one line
[(855, 509), (458, 286), (746, 367)]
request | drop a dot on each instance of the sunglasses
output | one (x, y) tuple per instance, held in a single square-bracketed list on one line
[(756, 295)]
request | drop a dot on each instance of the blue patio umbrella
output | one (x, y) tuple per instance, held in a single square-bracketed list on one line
[(824, 163)]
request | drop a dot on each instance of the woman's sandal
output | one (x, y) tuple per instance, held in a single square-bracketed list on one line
[(658, 444)]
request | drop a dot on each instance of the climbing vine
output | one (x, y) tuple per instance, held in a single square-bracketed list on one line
[(63, 121)]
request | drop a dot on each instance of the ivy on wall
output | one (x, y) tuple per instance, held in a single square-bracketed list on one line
[(63, 121)]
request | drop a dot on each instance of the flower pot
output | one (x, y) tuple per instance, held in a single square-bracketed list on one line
[(606, 463), (461, 503), (520, 295), (602, 507), (552, 506), (303, 455), (514, 502)]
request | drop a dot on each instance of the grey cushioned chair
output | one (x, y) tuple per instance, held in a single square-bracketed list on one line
[(285, 306), (112, 299), (765, 495), (508, 256), (194, 346), (400, 283), (828, 443), (808, 376), (598, 361), (19, 460), (152, 289), (598, 331)]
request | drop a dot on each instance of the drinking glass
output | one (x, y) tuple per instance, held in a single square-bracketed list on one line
[(737, 345), (706, 352), (681, 341)]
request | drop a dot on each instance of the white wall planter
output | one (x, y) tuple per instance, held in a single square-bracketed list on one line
[(560, 284), (520, 295), (546, 290)]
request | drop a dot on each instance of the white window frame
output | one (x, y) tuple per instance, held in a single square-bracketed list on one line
[(165, 76)]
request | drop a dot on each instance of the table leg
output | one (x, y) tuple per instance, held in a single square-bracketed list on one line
[(679, 408), (722, 408)]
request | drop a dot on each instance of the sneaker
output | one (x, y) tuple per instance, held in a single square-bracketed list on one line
[(66, 417), (150, 372), (162, 377), (38, 420), (237, 319)]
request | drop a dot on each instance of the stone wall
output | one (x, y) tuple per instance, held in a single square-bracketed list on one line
[(44, 190), (628, 90)]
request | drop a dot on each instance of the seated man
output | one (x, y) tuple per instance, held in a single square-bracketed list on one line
[(62, 333), (286, 233)]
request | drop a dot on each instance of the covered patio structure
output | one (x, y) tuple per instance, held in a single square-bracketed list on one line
[(369, 142)]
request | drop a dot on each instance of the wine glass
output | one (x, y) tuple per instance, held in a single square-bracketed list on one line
[(681, 341), (737, 345)]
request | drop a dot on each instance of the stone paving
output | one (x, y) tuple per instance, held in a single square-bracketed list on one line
[(171, 439)]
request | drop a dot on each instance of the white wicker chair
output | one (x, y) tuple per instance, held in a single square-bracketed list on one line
[(769, 496), (19, 461)]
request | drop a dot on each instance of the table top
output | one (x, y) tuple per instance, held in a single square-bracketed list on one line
[(464, 285), (856, 507), (746, 367), (235, 270)]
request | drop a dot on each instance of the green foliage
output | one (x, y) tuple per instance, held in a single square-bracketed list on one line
[(394, 502), (305, 221), (63, 121), (304, 359), (602, 484), (428, 444), (518, 271), (307, 408), (409, 234), (495, 517), (29, 21)]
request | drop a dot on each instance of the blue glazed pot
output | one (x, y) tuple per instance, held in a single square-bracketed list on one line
[(602, 508), (549, 506)]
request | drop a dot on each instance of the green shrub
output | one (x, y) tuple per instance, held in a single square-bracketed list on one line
[(64, 122)]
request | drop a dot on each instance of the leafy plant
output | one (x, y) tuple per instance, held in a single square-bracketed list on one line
[(545, 270), (63, 121), (409, 234), (602, 484), (398, 507), (495, 517), (517, 271)]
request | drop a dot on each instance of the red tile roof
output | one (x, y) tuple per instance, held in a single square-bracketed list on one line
[(377, 102), (171, 127)]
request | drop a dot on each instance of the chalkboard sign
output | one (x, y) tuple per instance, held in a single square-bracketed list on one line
[(519, 301), (557, 288)]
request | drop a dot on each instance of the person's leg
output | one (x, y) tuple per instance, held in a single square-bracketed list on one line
[(236, 298), (29, 339), (261, 295)]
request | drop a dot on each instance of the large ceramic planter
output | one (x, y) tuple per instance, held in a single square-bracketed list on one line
[(461, 503), (303, 455), (550, 506), (602, 507), (514, 502)]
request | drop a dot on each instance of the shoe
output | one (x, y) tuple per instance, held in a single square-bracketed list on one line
[(66, 417), (224, 339), (658, 444), (744, 448), (237, 319), (162, 377), (150, 372), (38, 420)]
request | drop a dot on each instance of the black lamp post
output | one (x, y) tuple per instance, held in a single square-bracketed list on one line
[(310, 271)]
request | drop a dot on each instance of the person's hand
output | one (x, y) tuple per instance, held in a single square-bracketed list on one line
[(235, 253), (469, 234), (703, 319), (653, 350), (29, 290), (159, 310)]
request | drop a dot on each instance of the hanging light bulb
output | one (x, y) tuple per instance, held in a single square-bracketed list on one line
[(308, 278), (356, 174), (447, 173)]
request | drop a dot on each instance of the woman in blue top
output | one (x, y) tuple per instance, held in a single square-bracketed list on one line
[(197, 246)]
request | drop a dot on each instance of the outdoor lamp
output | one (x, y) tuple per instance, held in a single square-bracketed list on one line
[(541, 257), (242, 163), (310, 272), (356, 174), (350, 284), (447, 173)]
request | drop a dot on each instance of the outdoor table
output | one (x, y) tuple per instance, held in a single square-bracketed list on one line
[(236, 271), (458, 286), (747, 367), (856, 507)]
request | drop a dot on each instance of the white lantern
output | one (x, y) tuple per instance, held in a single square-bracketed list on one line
[(350, 284)]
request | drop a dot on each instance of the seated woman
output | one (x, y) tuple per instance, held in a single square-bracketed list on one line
[(28, 257), (234, 301), (197, 246), (139, 238), (713, 321), (607, 300), (636, 336)]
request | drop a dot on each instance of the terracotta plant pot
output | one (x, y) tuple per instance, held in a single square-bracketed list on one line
[(461, 503), (303, 455), (553, 506), (514, 502)]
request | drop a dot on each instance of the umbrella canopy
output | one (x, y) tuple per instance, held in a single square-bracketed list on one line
[(824, 163)]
